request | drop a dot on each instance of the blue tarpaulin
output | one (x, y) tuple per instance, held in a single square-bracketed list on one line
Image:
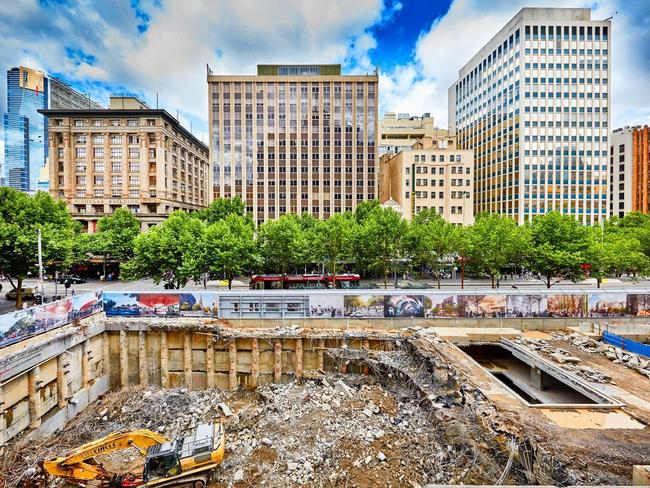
[(627, 344)]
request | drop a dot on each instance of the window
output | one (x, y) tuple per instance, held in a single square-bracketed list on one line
[(98, 192), (81, 181), (134, 166), (134, 181), (134, 193), (78, 123), (116, 152), (132, 122), (99, 166), (98, 139), (97, 123), (116, 181), (98, 180), (80, 166), (134, 139), (134, 152), (116, 167), (116, 139), (98, 152), (80, 152)]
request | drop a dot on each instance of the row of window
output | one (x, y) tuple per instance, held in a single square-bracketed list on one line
[(453, 182), (115, 180), (109, 122), (116, 152), (115, 139), (116, 166), (565, 51), (439, 170)]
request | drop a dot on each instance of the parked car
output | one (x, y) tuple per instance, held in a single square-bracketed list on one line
[(27, 294), (73, 279)]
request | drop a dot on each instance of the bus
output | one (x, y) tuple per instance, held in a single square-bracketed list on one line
[(305, 281)]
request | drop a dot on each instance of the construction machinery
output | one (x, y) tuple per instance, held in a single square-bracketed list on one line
[(183, 462)]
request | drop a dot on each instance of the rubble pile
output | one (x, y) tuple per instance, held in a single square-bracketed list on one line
[(633, 361), (565, 359)]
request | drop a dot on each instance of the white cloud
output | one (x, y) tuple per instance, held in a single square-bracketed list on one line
[(469, 24)]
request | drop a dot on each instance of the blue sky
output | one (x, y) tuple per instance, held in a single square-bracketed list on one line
[(162, 46)]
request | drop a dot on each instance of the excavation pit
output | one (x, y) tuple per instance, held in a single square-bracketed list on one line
[(534, 380)]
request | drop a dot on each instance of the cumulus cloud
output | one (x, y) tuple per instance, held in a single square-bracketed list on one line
[(455, 37)]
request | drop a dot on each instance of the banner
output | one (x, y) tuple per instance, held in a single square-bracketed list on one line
[(187, 304)]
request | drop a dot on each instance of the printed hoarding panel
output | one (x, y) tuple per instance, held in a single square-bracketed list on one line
[(404, 306), (526, 306), (86, 304), (323, 305), (608, 305), (199, 304), (482, 305), (54, 314), (364, 305), (441, 306), (142, 304), (638, 305), (18, 325), (566, 305)]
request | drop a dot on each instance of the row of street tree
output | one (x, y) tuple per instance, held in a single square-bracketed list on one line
[(222, 241)]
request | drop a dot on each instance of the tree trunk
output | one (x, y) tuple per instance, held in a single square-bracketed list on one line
[(492, 280), (548, 282), (385, 276), (19, 293), (462, 274), (598, 280), (438, 277), (230, 282)]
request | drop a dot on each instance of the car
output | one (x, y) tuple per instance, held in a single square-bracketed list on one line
[(27, 294), (73, 279)]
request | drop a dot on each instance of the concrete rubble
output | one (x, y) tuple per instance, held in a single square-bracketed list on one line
[(633, 361), (564, 358)]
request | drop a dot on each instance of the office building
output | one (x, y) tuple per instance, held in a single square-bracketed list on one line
[(629, 163), (138, 158), (25, 129), (431, 174), (400, 131), (533, 104), (294, 139)]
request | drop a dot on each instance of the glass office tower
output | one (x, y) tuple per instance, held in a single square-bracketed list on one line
[(25, 129)]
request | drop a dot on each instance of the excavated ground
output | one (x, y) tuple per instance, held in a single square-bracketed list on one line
[(408, 417)]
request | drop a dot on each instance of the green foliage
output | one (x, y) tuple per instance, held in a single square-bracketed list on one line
[(221, 208), (335, 241), (363, 210), (497, 243), (381, 236), (281, 243), (169, 251), (431, 241), (20, 217), (115, 236), (559, 246), (228, 248)]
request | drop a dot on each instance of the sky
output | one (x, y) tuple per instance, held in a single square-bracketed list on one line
[(149, 47)]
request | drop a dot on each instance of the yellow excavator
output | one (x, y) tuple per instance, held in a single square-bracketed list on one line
[(183, 462)]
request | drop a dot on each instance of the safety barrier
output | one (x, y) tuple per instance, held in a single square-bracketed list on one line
[(627, 344)]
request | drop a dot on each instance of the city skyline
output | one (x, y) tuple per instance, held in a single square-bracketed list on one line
[(418, 47)]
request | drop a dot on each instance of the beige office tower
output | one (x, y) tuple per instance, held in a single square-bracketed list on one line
[(400, 131), (432, 174), (533, 104), (125, 156), (294, 139)]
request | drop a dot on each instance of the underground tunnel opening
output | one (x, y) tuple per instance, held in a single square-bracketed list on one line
[(535, 381)]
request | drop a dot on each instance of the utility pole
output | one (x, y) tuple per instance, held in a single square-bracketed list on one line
[(40, 263)]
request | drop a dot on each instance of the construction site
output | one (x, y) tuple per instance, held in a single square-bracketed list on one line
[(326, 403)]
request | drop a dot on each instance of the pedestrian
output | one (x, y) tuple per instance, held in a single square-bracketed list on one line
[(72, 293)]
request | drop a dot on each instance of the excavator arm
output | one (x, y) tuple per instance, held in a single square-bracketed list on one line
[(79, 464)]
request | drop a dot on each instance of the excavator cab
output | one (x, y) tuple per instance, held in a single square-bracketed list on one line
[(162, 461)]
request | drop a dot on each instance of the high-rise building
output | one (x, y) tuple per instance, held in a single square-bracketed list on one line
[(25, 129), (398, 132), (629, 167), (293, 139), (533, 104), (432, 174), (136, 157)]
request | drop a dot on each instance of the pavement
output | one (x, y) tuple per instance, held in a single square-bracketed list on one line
[(50, 288)]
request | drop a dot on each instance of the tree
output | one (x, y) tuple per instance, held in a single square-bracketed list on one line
[(21, 216), (280, 243), (364, 208), (222, 208), (558, 246), (614, 251), (431, 240), (497, 242), (335, 241), (381, 234), (228, 247), (169, 252), (464, 249), (115, 236)]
